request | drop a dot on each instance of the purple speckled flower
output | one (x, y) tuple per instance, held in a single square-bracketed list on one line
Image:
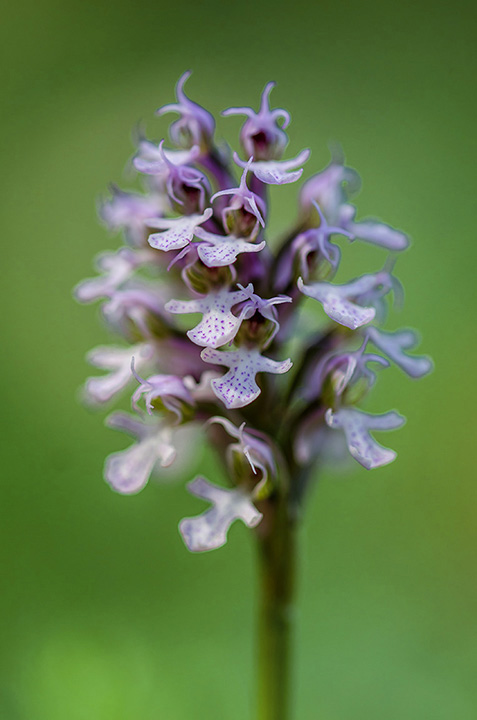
[(219, 338)]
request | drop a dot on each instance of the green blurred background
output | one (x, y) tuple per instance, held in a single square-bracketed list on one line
[(103, 613)]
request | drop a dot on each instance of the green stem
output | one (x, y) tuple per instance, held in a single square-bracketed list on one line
[(276, 613)]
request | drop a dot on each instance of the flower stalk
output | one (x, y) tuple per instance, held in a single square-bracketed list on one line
[(277, 558)]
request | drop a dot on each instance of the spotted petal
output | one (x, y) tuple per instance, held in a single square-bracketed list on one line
[(178, 232), (357, 425), (337, 304), (393, 344), (221, 250), (209, 530), (218, 325), (275, 172), (238, 386)]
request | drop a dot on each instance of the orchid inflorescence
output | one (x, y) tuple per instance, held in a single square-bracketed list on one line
[(196, 245)]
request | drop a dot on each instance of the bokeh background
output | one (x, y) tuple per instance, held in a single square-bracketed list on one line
[(103, 613)]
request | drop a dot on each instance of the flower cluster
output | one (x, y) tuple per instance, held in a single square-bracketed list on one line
[(197, 245)]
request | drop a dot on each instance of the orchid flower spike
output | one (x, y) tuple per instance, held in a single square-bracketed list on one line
[(211, 327)]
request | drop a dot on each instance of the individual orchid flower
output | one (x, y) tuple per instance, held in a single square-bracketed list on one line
[(265, 307), (243, 197), (130, 211), (393, 344), (102, 389), (209, 530), (261, 134), (238, 386), (170, 389), (317, 241), (140, 306), (196, 126), (329, 189), (275, 172), (116, 268), (346, 304), (222, 250), (340, 371), (129, 470), (177, 232), (254, 448), (218, 325), (357, 425), (185, 185)]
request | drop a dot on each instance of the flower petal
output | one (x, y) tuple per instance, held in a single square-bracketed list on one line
[(223, 249), (373, 231), (102, 389), (393, 345), (337, 305), (116, 268), (152, 159), (130, 211), (356, 426), (275, 172), (129, 470), (218, 325), (128, 424), (178, 232), (238, 386), (209, 530)]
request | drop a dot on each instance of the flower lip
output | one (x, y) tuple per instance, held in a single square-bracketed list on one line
[(357, 425), (275, 172), (209, 530)]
